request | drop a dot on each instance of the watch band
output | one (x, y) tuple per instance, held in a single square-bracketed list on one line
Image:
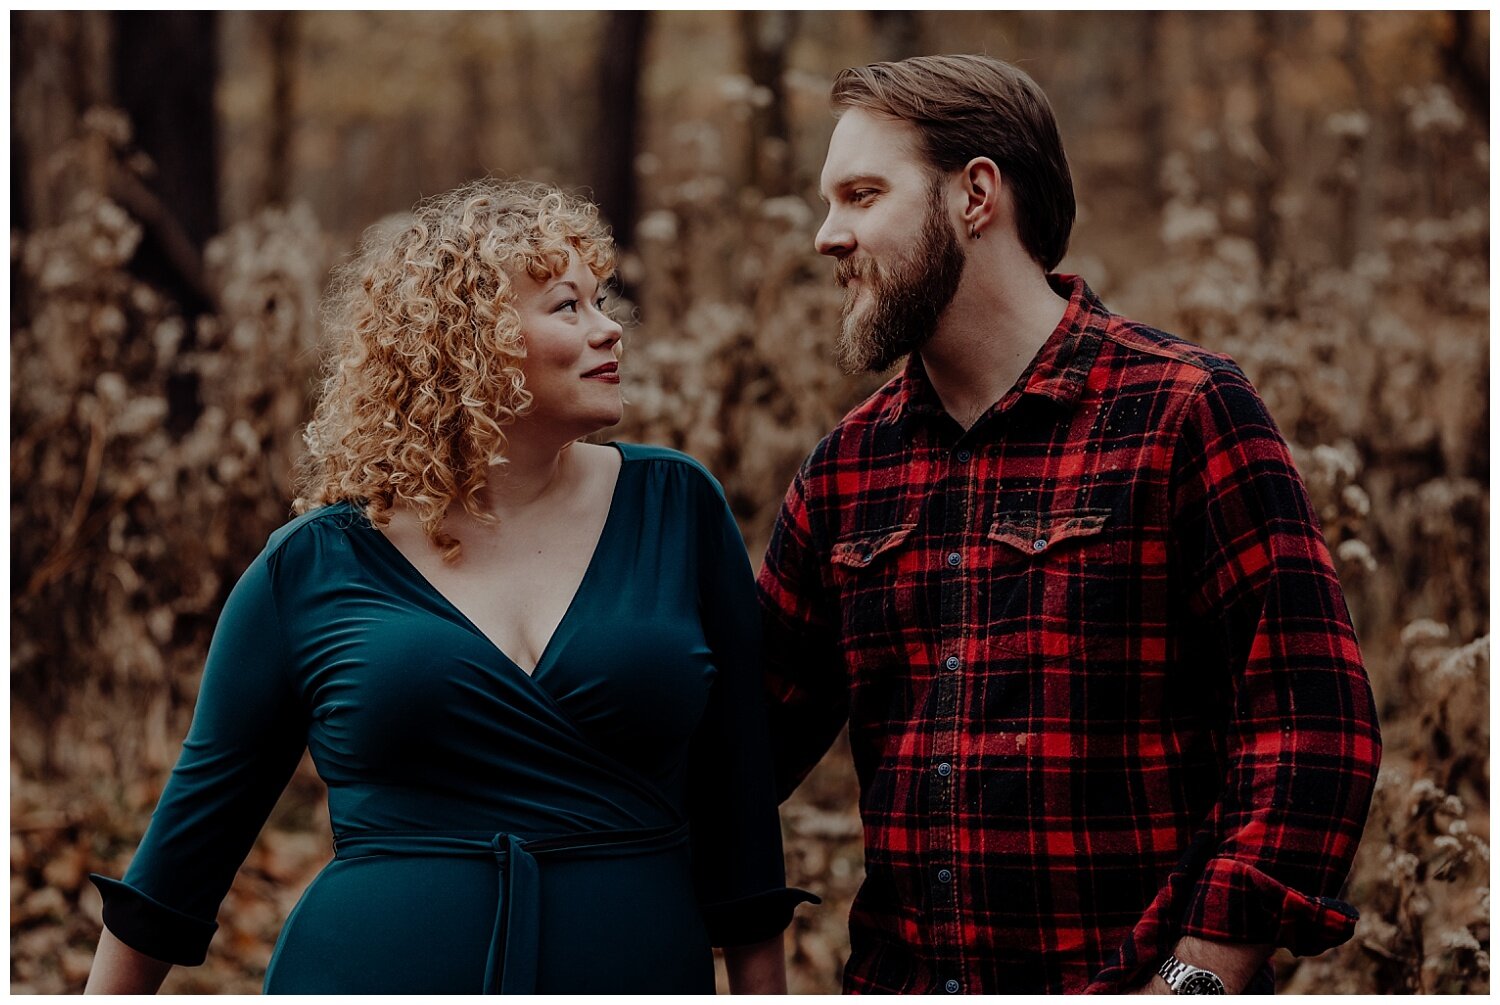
[(1184, 978)]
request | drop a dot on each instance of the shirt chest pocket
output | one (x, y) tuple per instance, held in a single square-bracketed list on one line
[(870, 568), (1054, 591)]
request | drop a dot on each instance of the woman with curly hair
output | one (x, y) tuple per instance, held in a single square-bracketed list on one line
[(526, 666)]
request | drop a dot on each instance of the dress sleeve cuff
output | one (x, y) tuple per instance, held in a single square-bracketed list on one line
[(755, 918), (1235, 902), (147, 926)]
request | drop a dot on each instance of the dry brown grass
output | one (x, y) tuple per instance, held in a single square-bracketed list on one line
[(133, 510)]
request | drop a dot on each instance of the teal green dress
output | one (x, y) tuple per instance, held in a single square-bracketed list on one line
[(592, 828)]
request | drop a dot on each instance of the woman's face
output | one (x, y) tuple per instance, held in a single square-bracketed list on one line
[(572, 362)]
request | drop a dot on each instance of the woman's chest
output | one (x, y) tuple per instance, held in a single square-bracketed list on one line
[(394, 673)]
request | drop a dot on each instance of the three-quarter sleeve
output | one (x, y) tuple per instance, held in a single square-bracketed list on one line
[(247, 735), (738, 867), (1303, 742)]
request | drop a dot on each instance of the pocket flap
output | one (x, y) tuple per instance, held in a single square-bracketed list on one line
[(1037, 533), (859, 550)]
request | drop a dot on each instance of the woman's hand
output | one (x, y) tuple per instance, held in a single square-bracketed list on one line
[(120, 970), (758, 968)]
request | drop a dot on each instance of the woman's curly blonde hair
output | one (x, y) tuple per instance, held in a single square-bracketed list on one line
[(422, 370)]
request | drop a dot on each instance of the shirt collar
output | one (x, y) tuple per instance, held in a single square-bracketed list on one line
[(1058, 371)]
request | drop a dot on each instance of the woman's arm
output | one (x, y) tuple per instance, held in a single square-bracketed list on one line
[(248, 733), (757, 969), (738, 870), (120, 970)]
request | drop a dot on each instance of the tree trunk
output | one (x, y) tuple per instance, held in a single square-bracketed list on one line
[(1466, 60), (765, 36), (59, 70), (1268, 172), (619, 110), (1153, 109), (281, 36), (897, 33), (1358, 168), (165, 67)]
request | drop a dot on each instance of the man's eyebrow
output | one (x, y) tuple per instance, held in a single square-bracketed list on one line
[(850, 181)]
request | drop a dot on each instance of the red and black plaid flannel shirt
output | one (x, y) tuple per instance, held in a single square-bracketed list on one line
[(1100, 680)]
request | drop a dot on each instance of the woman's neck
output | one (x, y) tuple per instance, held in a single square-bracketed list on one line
[(532, 470)]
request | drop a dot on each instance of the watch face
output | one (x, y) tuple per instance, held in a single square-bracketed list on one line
[(1201, 983)]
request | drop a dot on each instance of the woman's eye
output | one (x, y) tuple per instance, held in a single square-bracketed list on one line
[(599, 304), (864, 195), (568, 305)]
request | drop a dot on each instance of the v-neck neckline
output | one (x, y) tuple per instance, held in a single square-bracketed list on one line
[(557, 631)]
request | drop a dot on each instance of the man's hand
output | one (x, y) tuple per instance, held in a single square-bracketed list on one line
[(1235, 964), (1155, 986)]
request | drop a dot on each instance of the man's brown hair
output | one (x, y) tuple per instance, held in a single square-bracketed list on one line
[(976, 106)]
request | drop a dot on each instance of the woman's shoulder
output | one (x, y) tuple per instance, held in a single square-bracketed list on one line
[(689, 469), (297, 555), (337, 517)]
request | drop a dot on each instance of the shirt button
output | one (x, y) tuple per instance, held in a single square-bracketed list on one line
[(944, 876), (963, 456), (954, 558), (1039, 544), (951, 662), (951, 987), (945, 769)]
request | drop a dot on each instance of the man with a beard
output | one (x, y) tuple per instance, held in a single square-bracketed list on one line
[(1060, 578)]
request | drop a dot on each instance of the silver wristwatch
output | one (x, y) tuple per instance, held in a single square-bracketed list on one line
[(1185, 979)]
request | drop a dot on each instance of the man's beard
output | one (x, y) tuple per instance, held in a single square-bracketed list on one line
[(908, 296)]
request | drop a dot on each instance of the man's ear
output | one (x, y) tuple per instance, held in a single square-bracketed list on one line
[(984, 196)]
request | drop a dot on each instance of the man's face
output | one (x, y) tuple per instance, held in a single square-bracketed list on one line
[(899, 261)]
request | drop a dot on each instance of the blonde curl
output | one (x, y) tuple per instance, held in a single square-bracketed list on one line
[(423, 348)]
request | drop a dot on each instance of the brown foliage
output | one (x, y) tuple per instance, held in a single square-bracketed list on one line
[(151, 450), (149, 459)]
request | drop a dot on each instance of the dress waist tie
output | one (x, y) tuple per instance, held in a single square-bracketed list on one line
[(511, 967)]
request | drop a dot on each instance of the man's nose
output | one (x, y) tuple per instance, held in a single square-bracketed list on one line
[(834, 237)]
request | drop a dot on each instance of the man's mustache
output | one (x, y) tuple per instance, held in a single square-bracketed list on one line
[(849, 270)]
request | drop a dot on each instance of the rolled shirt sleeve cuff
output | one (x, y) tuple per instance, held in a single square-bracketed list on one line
[(755, 918), (1236, 902), (147, 926)]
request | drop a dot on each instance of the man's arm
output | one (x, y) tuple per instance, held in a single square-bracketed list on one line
[(1234, 964), (1302, 741), (808, 696)]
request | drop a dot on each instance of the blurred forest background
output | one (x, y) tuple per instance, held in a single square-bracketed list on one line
[(1307, 191)]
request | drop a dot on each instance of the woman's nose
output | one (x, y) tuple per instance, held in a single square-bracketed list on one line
[(608, 332)]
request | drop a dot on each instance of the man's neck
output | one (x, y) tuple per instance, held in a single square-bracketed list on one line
[(988, 335)]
